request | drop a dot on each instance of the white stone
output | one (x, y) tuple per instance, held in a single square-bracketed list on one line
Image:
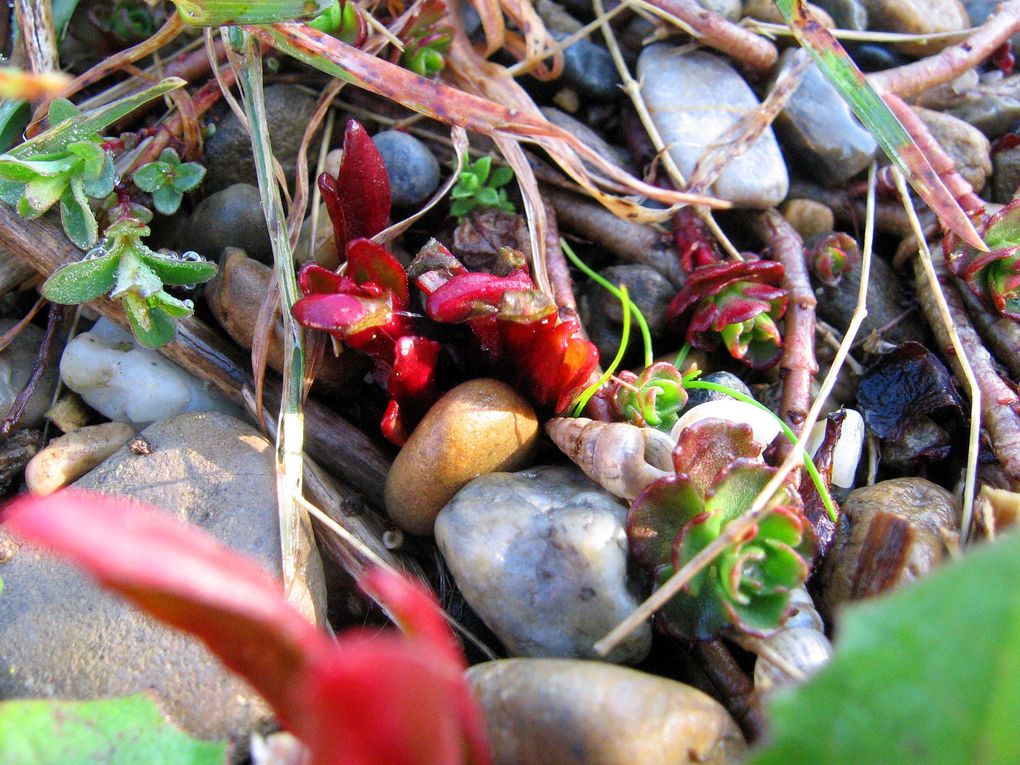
[(128, 383), (848, 447)]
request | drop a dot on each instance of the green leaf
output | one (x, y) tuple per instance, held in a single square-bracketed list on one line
[(481, 169), (11, 191), (26, 170), (151, 176), (176, 272), (41, 194), (927, 674), (76, 216), (487, 197), (151, 325), (187, 176), (501, 176), (120, 731), (14, 117), (82, 281), (133, 276), (214, 13), (461, 207), (175, 308), (93, 156), (877, 117), (166, 200), (61, 110), (84, 127), (170, 156), (102, 185)]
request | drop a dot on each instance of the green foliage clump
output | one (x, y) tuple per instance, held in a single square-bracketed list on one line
[(167, 179), (480, 186)]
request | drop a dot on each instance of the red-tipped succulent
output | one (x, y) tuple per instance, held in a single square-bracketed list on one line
[(365, 698), (654, 398), (831, 256), (737, 302), (517, 325), (696, 246), (719, 472), (993, 276), (367, 306)]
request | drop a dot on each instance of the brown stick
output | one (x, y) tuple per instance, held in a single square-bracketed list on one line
[(556, 266), (332, 441), (910, 79), (1000, 333), (1000, 405), (10, 421), (798, 363), (733, 684), (717, 32)]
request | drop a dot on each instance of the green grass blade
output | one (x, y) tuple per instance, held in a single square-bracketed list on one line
[(877, 117), (215, 13)]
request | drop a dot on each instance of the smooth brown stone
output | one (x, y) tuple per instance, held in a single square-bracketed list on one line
[(482, 426)]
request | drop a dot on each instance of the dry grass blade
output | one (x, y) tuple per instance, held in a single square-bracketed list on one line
[(739, 526), (295, 528), (15, 83), (38, 34), (452, 106), (961, 356)]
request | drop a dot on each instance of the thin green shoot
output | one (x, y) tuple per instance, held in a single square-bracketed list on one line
[(646, 335), (591, 390), (809, 465), (681, 357)]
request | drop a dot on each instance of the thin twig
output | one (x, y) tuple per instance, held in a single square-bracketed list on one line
[(37, 32), (10, 421), (736, 528), (959, 352), (10, 335)]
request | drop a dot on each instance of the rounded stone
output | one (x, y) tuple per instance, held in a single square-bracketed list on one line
[(412, 169), (918, 17), (589, 68), (481, 426), (964, 143), (63, 636), (231, 217), (541, 556), (808, 218), (542, 711), (71, 456), (698, 396)]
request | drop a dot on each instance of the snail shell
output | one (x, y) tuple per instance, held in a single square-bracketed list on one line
[(622, 458), (804, 648)]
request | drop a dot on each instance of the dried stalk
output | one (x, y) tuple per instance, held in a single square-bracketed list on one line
[(733, 684), (1000, 333), (799, 365), (910, 79), (998, 406), (11, 419), (38, 34), (736, 529), (717, 32)]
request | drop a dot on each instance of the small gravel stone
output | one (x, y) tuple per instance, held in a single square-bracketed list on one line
[(412, 169), (730, 380), (808, 218), (232, 217), (541, 556), (589, 68), (71, 456), (15, 368), (964, 143), (847, 14), (918, 17)]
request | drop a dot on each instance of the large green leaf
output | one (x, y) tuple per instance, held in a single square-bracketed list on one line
[(82, 281), (125, 731), (214, 13), (929, 674), (878, 118)]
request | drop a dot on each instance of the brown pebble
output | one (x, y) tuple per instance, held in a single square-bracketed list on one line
[(808, 218), (71, 456), (482, 426)]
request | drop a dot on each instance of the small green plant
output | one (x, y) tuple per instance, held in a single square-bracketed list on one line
[(344, 21), (426, 39), (480, 186), (126, 268), (167, 179)]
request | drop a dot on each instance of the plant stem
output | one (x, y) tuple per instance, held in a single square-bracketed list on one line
[(294, 522), (591, 390)]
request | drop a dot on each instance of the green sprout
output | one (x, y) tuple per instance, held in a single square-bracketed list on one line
[(167, 179), (477, 187), (343, 21), (124, 267)]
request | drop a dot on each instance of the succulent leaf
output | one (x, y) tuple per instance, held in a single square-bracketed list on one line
[(654, 398)]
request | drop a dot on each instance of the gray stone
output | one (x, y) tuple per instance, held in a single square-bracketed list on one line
[(586, 135), (730, 380), (541, 556), (695, 99), (15, 368), (964, 143), (848, 14), (1006, 179), (228, 156), (650, 291), (917, 17), (980, 10), (589, 68), (412, 169), (993, 106), (873, 57), (728, 9), (62, 636), (818, 129), (556, 18), (232, 217)]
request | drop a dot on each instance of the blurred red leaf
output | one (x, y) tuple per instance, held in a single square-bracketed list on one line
[(358, 198)]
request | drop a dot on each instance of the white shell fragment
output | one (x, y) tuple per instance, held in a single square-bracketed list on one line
[(765, 426), (128, 383), (848, 447), (803, 648)]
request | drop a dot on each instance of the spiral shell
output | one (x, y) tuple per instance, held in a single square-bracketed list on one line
[(622, 458), (803, 648)]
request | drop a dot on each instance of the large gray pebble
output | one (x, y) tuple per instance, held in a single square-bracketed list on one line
[(231, 217), (818, 128), (412, 169), (541, 555), (61, 636), (590, 69), (228, 156), (848, 14), (964, 143), (695, 98), (15, 368)]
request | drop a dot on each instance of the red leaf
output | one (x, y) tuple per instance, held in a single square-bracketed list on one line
[(343, 315), (414, 369), (471, 295), (182, 577), (708, 446), (313, 278), (332, 195), (370, 262), (363, 184)]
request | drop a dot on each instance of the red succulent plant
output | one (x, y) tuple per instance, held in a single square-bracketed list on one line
[(361, 699), (737, 302), (993, 276)]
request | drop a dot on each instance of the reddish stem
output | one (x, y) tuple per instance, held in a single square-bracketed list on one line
[(556, 266), (732, 684), (911, 79), (798, 363)]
